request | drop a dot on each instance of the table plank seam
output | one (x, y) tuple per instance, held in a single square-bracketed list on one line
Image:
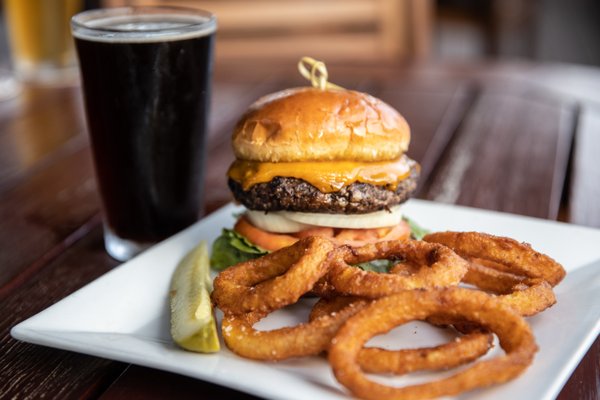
[(49, 256), (449, 125)]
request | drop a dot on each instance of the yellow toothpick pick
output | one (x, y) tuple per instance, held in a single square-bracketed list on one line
[(317, 74)]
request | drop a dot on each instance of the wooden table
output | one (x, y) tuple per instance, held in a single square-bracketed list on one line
[(519, 138)]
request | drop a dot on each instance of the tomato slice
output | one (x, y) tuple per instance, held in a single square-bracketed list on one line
[(352, 237), (267, 240)]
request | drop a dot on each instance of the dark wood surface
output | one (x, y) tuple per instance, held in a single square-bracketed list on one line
[(519, 138)]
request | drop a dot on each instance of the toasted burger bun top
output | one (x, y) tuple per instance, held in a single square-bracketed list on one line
[(308, 124)]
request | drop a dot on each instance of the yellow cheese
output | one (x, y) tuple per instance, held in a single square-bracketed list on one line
[(327, 176)]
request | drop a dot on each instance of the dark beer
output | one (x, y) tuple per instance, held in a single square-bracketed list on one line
[(146, 99)]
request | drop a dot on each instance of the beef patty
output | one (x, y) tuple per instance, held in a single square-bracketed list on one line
[(292, 194)]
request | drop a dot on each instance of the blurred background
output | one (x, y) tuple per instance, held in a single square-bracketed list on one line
[(395, 30)]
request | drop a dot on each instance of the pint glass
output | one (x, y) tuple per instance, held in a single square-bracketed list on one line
[(146, 76)]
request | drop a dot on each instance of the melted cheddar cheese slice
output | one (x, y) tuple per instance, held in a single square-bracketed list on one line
[(327, 176)]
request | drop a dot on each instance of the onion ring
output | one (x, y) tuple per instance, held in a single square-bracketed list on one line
[(305, 339), (464, 349), (438, 266), (517, 258), (274, 280), (528, 296), (514, 334), (333, 305), (323, 289), (490, 276)]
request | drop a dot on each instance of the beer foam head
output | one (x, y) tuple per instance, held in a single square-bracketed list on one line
[(142, 25)]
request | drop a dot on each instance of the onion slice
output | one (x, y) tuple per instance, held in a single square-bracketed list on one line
[(274, 222), (291, 221)]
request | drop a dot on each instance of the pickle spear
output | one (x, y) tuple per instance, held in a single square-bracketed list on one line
[(193, 325)]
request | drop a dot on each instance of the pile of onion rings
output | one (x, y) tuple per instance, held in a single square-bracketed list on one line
[(476, 284)]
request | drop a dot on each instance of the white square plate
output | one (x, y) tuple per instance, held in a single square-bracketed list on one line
[(124, 314)]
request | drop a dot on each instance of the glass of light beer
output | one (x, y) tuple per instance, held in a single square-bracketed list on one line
[(146, 75), (40, 39)]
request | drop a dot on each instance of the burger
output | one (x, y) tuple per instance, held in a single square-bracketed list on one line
[(308, 162)]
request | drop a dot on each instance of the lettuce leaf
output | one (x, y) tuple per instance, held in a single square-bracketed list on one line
[(381, 266), (416, 231), (231, 248)]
